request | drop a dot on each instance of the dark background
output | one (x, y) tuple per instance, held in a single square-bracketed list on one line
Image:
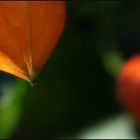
[(75, 89)]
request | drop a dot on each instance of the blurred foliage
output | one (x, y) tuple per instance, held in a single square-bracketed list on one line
[(11, 108), (76, 87)]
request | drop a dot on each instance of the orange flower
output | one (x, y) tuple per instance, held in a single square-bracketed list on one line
[(29, 30)]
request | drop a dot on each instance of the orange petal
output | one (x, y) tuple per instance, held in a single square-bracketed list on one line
[(29, 30), (47, 19)]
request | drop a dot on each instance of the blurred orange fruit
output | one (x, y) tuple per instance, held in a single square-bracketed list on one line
[(128, 86)]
